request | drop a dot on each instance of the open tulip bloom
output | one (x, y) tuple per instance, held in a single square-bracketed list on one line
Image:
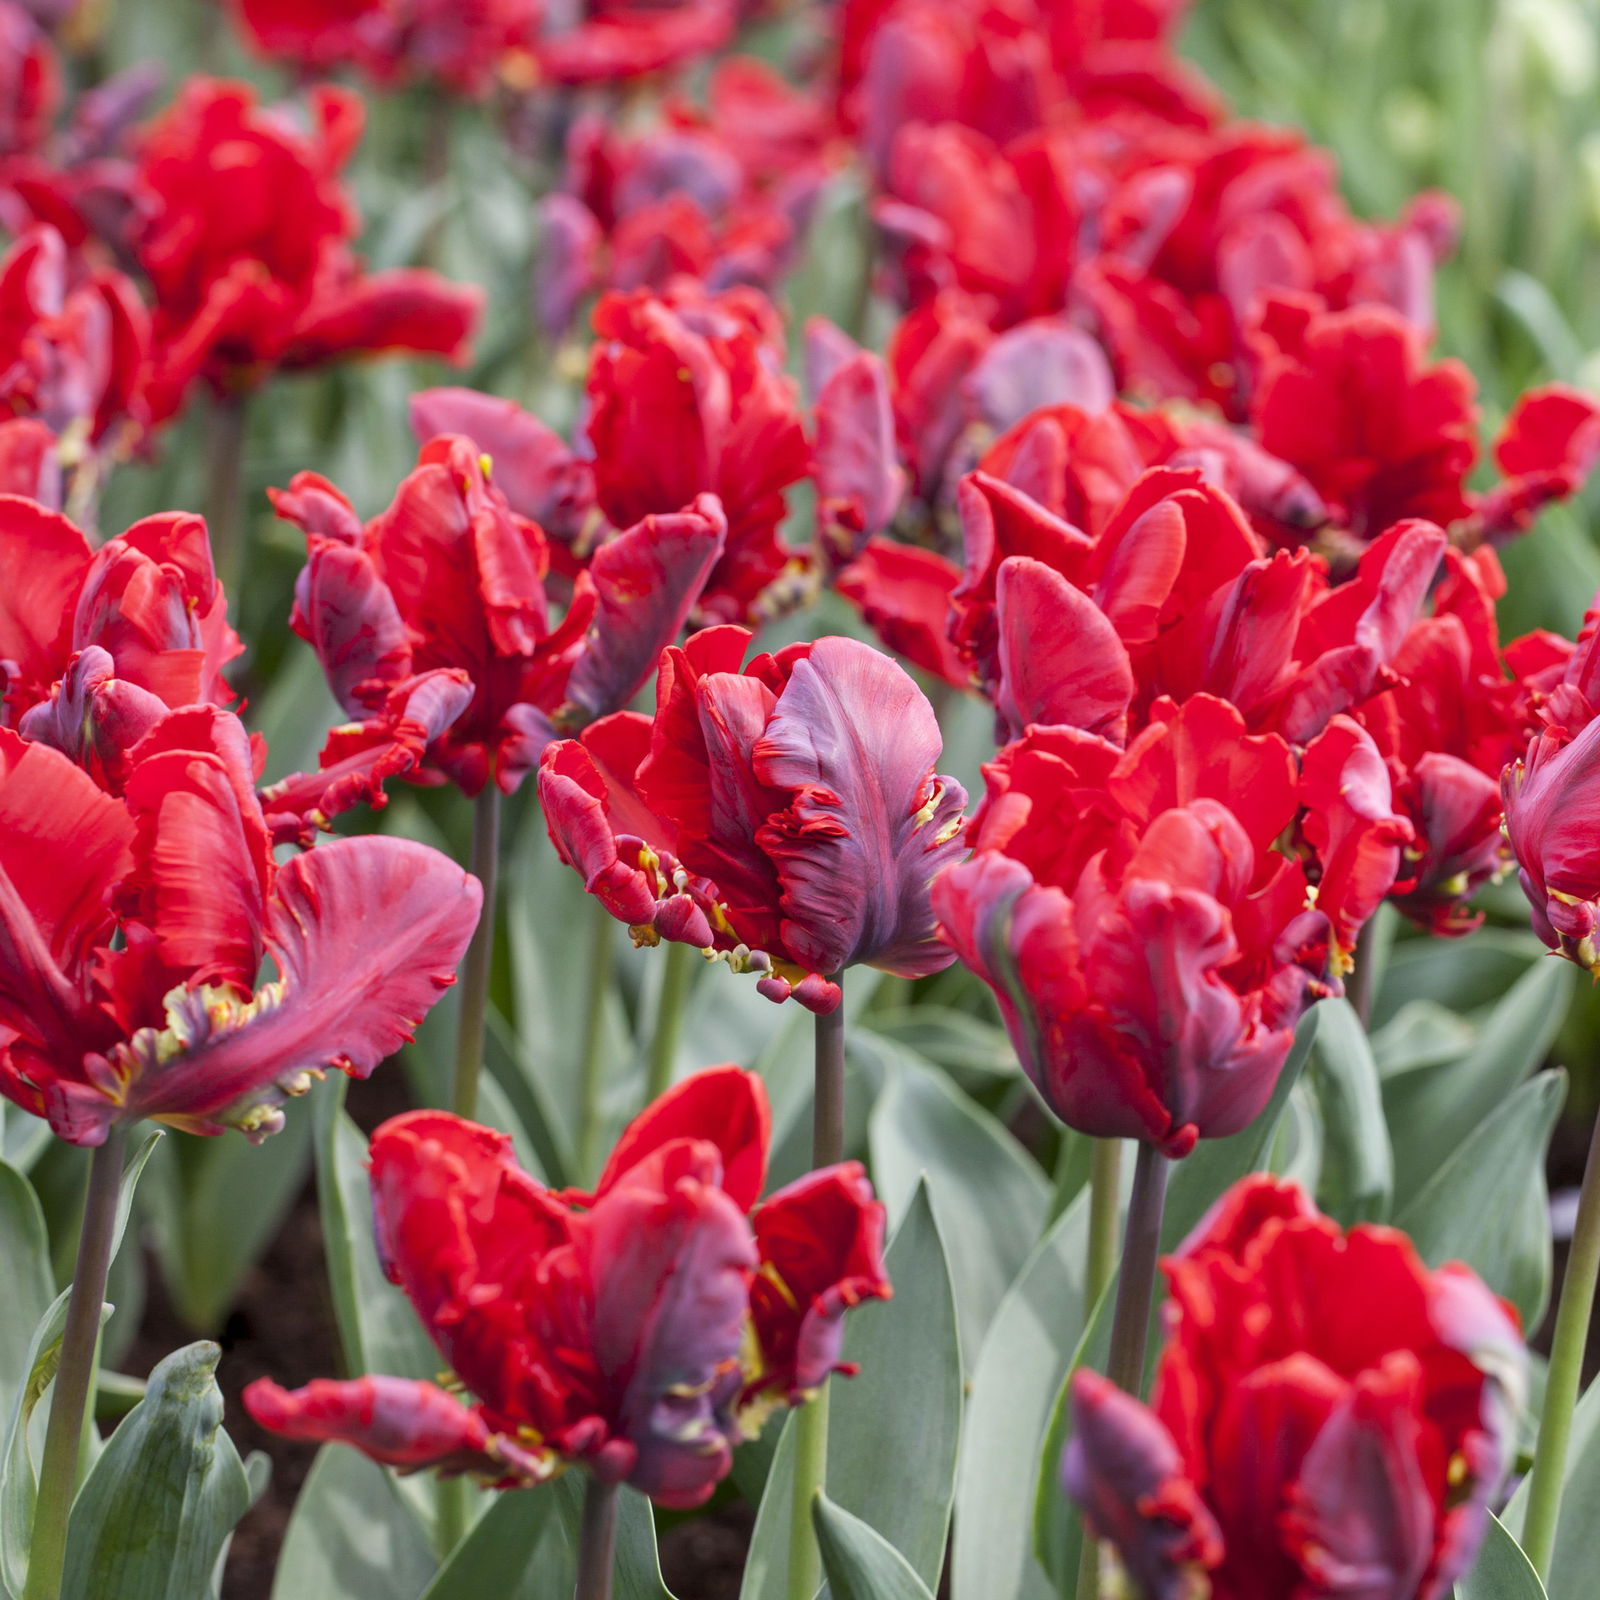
[(640, 1330), (784, 816)]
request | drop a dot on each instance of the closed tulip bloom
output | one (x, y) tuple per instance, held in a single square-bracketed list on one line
[(1150, 947), (132, 936), (785, 815), (1327, 1412), (640, 1330)]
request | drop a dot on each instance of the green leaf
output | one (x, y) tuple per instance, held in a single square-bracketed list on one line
[(860, 1563), (1015, 1381), (987, 1192), (552, 1570), (1576, 1556), (207, 1241), (151, 1520), (893, 1429), (976, 1053), (25, 1249), (1457, 974), (1486, 1204), (1432, 1110), (1502, 1571), (352, 1535), (1357, 1162), (497, 1555)]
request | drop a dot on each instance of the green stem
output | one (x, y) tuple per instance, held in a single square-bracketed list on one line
[(810, 1471), (597, 1541), (1566, 1369), (677, 978), (1088, 1569), (1130, 1325), (227, 425), (1105, 1182), (450, 1522), (811, 1425), (827, 1119), (602, 958), (69, 1403), (480, 955)]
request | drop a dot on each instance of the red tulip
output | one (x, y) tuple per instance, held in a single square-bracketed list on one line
[(1546, 450), (463, 45), (246, 242), (93, 638), (132, 936), (73, 343), (450, 579), (613, 39), (1327, 1411), (636, 1330), (1150, 949), (786, 816), (30, 81), (687, 396)]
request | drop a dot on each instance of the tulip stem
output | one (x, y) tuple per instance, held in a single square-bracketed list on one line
[(480, 954), (228, 423), (677, 978), (1105, 1183), (811, 1423), (58, 1472), (1130, 1324), (597, 1541), (1566, 1369), (827, 1118), (602, 958), (810, 1472)]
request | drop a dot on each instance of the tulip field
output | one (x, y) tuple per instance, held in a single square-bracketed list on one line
[(799, 798)]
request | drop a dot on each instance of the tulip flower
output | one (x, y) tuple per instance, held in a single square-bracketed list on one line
[(553, 1308), (98, 645), (132, 933), (450, 579), (1324, 1405), (687, 396), (1150, 949), (246, 242), (785, 816), (602, 41)]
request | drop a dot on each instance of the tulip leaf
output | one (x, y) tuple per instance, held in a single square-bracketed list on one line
[(1357, 1175), (352, 1535), (1015, 1381), (986, 1191), (1457, 974), (205, 1240), (552, 1568), (1057, 1525), (860, 1563), (893, 1429), (152, 1518), (25, 1249), (1502, 1571), (1487, 1205), (1431, 1110), (1575, 1558), (498, 1555), (976, 1053)]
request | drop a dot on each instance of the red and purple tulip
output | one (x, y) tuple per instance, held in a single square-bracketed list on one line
[(133, 931), (1150, 947), (450, 580), (1326, 1411), (785, 814), (637, 1330)]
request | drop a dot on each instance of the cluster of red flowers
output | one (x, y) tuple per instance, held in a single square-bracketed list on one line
[(1156, 463)]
